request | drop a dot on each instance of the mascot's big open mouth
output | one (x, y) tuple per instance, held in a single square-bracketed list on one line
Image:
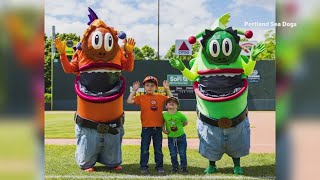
[(220, 84), (100, 82)]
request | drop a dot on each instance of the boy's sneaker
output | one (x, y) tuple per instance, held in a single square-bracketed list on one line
[(160, 171), (174, 170), (144, 171), (184, 170)]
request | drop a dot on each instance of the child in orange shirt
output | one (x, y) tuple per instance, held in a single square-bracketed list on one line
[(151, 106)]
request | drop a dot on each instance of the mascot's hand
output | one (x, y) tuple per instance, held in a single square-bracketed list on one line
[(256, 51), (177, 63), (61, 47), (129, 45)]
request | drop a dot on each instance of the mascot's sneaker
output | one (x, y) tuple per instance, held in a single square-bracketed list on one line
[(89, 169), (117, 168), (211, 169), (237, 170)]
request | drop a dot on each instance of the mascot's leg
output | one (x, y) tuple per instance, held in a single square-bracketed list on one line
[(211, 144), (237, 168), (239, 144), (87, 149), (111, 152), (119, 167)]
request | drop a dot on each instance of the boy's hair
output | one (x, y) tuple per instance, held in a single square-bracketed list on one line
[(150, 79), (174, 99)]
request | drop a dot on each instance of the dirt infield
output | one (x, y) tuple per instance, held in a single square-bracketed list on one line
[(262, 134)]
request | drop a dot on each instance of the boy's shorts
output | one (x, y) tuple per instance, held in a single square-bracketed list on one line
[(95, 147), (215, 141)]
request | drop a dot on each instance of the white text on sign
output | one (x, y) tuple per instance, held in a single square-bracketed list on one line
[(185, 52)]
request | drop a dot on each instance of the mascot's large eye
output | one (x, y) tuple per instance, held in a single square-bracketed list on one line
[(227, 47), (108, 41), (214, 48), (97, 40)]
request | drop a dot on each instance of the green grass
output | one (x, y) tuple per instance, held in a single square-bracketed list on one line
[(61, 125), (60, 162)]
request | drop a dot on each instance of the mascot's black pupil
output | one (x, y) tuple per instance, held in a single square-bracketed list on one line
[(227, 46), (96, 39), (110, 41), (215, 48)]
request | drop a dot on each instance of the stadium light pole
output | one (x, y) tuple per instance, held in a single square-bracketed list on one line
[(158, 28), (53, 53)]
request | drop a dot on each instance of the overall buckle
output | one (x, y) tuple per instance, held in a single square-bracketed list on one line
[(224, 123), (102, 128)]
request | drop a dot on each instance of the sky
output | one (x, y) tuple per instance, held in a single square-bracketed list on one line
[(179, 19)]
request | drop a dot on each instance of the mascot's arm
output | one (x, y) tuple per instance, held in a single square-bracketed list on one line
[(249, 67), (128, 63), (68, 67), (189, 74)]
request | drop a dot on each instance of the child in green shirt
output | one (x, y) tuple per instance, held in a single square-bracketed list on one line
[(174, 121)]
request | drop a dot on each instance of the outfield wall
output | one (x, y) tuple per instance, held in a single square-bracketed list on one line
[(261, 85)]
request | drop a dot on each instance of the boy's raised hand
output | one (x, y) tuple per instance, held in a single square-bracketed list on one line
[(136, 86), (166, 85)]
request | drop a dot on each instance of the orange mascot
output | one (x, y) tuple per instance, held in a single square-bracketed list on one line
[(98, 62)]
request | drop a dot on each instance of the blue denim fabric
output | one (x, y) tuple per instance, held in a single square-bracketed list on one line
[(146, 135), (95, 147), (178, 145), (215, 141)]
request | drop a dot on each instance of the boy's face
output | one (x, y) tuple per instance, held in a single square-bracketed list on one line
[(150, 87), (172, 105)]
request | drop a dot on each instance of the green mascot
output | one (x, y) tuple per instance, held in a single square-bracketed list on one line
[(220, 80)]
